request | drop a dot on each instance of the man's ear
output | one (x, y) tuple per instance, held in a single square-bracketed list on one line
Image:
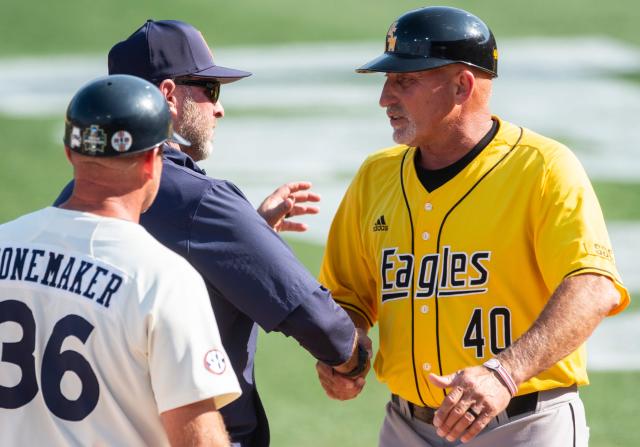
[(149, 159), (67, 152), (168, 89), (465, 83)]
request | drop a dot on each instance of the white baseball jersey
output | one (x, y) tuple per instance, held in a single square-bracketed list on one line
[(101, 329)]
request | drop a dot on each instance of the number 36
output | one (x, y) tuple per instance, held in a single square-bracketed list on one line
[(54, 364)]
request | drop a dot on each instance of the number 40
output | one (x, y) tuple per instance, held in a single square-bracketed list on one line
[(499, 331)]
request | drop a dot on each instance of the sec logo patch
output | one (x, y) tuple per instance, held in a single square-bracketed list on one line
[(215, 361)]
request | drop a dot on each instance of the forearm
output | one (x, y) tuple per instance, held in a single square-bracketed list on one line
[(358, 320), (197, 424), (322, 328), (574, 310)]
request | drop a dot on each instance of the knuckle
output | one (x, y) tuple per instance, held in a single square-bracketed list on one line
[(469, 417), (450, 400), (474, 429), (458, 411), (490, 408)]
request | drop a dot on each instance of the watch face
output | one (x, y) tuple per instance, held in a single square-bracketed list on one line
[(492, 363)]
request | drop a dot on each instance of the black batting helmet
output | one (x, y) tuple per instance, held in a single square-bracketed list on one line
[(431, 37), (117, 115)]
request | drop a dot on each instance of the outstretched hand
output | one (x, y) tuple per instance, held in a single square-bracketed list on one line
[(287, 201), (476, 396)]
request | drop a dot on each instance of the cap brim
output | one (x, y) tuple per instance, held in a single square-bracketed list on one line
[(397, 63), (176, 138), (223, 75)]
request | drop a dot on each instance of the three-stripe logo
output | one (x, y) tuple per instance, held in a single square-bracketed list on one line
[(380, 224)]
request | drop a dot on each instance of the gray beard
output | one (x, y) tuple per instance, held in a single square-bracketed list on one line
[(406, 135), (196, 130)]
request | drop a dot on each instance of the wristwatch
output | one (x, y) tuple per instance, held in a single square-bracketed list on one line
[(363, 358), (495, 365)]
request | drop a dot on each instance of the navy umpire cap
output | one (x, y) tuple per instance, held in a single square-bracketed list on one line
[(168, 49), (117, 115), (434, 36)]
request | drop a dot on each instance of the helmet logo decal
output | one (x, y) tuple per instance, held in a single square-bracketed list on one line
[(391, 37), (495, 54), (76, 139), (121, 141), (94, 139)]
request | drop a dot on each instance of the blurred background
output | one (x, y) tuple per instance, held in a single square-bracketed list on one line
[(569, 70)]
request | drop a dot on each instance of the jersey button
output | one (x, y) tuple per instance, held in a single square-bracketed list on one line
[(428, 206), (426, 366), (426, 236), (424, 309)]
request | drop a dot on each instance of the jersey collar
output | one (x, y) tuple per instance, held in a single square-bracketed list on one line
[(181, 159)]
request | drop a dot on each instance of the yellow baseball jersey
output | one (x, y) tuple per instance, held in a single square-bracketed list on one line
[(455, 275)]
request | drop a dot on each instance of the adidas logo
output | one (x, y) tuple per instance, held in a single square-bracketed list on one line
[(381, 224)]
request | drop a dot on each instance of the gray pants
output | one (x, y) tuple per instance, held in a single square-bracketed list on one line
[(558, 421)]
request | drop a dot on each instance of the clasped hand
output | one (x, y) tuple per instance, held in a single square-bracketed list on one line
[(338, 386)]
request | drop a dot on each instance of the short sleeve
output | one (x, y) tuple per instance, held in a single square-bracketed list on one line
[(570, 234), (244, 259), (187, 361), (344, 266)]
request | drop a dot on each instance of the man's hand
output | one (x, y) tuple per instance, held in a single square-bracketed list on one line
[(338, 386), (287, 201), (476, 396)]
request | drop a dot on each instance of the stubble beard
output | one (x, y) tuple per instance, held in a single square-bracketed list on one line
[(406, 134), (196, 129)]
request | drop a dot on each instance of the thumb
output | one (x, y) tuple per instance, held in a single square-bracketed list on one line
[(281, 209), (287, 205), (442, 381)]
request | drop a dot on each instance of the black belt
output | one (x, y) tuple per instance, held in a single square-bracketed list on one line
[(517, 406)]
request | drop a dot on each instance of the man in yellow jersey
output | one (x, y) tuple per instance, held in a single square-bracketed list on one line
[(479, 248)]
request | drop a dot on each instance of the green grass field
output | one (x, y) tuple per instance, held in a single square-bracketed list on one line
[(34, 168), (83, 26)]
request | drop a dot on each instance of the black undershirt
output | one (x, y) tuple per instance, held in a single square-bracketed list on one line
[(432, 179)]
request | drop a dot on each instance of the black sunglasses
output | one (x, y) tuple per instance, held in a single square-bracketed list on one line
[(213, 88)]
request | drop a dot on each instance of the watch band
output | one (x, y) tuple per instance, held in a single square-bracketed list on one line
[(363, 358), (495, 365)]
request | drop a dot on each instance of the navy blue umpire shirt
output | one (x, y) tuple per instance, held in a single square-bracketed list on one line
[(251, 275)]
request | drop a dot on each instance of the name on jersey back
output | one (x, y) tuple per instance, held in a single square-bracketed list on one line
[(80, 275)]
